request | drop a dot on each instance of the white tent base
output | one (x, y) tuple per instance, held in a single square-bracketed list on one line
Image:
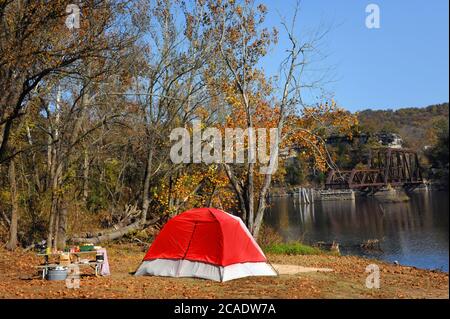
[(187, 268)]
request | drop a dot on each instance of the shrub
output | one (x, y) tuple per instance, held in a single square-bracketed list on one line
[(268, 236), (294, 248)]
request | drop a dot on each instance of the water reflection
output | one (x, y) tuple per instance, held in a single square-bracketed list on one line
[(413, 233)]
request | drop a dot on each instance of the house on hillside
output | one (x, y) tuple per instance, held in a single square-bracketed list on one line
[(391, 140)]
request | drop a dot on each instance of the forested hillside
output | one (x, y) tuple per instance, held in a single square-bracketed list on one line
[(417, 126), (424, 130)]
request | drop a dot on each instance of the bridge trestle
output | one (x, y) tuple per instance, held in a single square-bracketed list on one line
[(386, 166)]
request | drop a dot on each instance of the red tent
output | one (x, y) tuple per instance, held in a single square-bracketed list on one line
[(206, 243)]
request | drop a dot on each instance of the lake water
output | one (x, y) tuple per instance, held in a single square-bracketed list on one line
[(414, 233)]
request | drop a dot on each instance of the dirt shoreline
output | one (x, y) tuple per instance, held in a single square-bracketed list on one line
[(347, 280)]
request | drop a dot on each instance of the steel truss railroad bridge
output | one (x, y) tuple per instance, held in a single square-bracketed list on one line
[(386, 166)]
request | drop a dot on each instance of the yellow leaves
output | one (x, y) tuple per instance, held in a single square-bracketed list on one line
[(309, 130), (202, 113), (5, 197), (185, 189), (189, 26), (239, 10)]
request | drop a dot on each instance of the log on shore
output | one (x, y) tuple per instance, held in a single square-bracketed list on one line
[(110, 235)]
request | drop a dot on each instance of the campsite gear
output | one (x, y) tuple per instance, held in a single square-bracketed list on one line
[(99, 257), (64, 259), (41, 246), (87, 247), (206, 243), (57, 273), (73, 257), (104, 266)]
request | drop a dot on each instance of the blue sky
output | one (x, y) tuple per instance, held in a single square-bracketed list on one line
[(404, 63)]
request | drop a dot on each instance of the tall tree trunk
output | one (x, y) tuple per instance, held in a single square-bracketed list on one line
[(261, 206), (54, 211), (62, 224), (1, 136), (250, 197), (146, 187), (171, 200), (85, 176), (52, 153), (12, 241), (238, 190), (49, 161), (37, 181), (273, 161), (53, 216)]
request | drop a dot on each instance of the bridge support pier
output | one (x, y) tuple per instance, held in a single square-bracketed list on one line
[(336, 194), (391, 195)]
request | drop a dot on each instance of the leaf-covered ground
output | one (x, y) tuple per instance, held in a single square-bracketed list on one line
[(19, 279)]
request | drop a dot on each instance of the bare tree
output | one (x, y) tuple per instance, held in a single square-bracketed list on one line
[(12, 242), (242, 44)]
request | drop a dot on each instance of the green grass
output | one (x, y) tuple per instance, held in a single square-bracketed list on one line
[(294, 248)]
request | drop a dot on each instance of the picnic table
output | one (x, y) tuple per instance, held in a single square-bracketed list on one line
[(95, 265)]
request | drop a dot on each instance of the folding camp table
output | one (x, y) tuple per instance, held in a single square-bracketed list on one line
[(93, 264), (96, 265)]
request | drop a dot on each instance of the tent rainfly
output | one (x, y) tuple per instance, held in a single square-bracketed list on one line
[(205, 243)]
